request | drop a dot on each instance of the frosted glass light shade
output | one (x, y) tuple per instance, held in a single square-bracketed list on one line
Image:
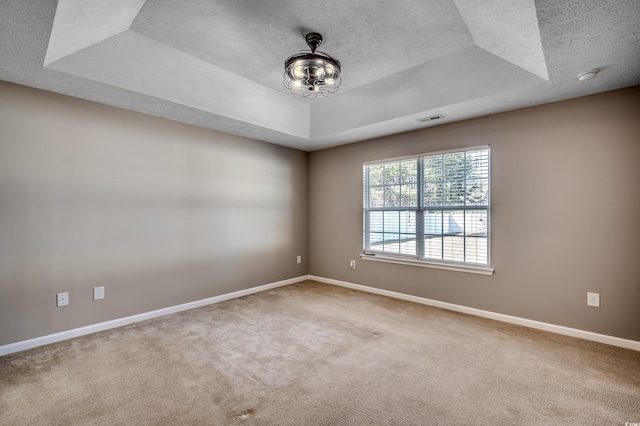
[(312, 75)]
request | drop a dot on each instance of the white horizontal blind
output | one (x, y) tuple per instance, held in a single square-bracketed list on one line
[(391, 203), (432, 207)]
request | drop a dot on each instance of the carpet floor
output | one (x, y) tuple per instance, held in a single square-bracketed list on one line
[(317, 354)]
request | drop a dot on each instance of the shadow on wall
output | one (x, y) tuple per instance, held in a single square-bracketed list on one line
[(159, 213)]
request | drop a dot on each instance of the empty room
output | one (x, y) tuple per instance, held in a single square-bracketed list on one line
[(227, 212)]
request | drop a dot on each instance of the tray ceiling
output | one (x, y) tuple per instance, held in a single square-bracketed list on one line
[(218, 64)]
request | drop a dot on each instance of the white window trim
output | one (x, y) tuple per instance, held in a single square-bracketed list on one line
[(427, 263), (473, 269)]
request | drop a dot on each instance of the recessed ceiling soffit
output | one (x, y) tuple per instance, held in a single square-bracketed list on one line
[(198, 54)]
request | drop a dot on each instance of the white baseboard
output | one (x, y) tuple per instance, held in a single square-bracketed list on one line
[(94, 328), (558, 329)]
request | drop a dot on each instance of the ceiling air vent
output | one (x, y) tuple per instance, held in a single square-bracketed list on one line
[(432, 118)]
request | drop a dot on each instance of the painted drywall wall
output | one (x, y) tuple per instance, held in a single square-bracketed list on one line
[(157, 212), (565, 206)]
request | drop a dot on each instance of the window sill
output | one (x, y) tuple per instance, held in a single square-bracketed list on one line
[(482, 270)]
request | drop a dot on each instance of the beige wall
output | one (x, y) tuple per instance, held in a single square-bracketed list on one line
[(158, 212), (162, 213), (565, 214)]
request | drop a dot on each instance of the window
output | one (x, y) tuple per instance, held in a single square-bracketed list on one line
[(433, 207)]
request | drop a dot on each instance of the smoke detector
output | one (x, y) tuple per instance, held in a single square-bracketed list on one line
[(587, 75)]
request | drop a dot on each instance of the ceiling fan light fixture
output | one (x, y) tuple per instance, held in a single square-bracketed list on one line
[(312, 75)]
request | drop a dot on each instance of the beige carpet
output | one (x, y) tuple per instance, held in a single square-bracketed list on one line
[(315, 354)]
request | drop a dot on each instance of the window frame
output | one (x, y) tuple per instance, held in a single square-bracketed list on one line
[(420, 210)]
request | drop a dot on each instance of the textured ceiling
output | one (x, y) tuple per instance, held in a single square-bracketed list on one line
[(218, 63)]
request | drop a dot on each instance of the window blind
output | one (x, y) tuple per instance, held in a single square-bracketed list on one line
[(429, 207)]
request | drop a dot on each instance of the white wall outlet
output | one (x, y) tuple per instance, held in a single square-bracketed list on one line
[(593, 299), (98, 293), (352, 264), (299, 259), (62, 299)]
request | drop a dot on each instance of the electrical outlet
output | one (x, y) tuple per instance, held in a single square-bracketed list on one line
[(352, 264), (299, 259), (593, 299), (62, 299), (98, 293)]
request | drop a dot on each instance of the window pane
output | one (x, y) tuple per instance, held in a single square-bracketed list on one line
[(453, 249), (432, 180), (409, 196), (409, 172), (477, 192), (376, 196), (433, 247), (433, 193), (407, 222), (402, 243), (453, 177), (392, 231), (392, 196), (391, 243), (391, 173), (376, 174), (375, 222), (432, 168), (376, 240), (453, 165), (453, 222), (476, 223), (393, 184), (476, 250), (391, 221), (477, 178), (408, 245), (433, 223), (477, 164), (476, 241), (433, 227), (453, 193)]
